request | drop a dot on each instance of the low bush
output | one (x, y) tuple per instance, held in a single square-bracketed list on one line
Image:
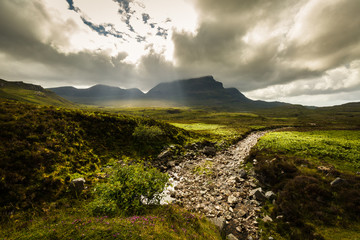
[(129, 189)]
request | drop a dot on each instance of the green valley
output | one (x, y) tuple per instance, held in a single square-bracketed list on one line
[(47, 142)]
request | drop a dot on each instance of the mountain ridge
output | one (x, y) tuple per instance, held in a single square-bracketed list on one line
[(201, 91), (31, 93)]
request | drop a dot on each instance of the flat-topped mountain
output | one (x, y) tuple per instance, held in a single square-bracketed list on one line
[(196, 91), (202, 91)]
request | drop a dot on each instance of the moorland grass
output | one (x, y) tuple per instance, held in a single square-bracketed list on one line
[(164, 222), (299, 167), (338, 148)]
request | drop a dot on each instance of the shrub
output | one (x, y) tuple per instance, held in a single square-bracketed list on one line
[(149, 139), (130, 187), (148, 134)]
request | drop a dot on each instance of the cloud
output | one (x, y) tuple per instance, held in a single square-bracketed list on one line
[(253, 44), (26, 55), (280, 49), (343, 79)]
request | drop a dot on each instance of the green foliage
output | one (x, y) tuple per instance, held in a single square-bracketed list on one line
[(165, 222), (288, 164), (149, 138), (340, 148), (204, 168), (130, 188), (148, 134), (42, 148), (205, 123), (43, 97)]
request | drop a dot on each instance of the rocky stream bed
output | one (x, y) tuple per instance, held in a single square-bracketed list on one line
[(218, 185)]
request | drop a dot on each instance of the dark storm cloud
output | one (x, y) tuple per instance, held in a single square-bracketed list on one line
[(126, 14), (295, 46), (22, 42), (328, 39)]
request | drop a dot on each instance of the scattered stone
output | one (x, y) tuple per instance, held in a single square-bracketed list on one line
[(270, 195), (242, 173), (78, 185), (166, 154), (232, 200), (171, 164), (224, 196), (231, 237), (338, 182), (267, 219), (258, 194)]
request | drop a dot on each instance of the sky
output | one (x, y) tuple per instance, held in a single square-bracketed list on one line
[(297, 51)]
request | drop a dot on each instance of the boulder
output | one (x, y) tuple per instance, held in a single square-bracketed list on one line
[(171, 164), (78, 185), (231, 237), (219, 222), (166, 154), (338, 182), (258, 194), (324, 169), (232, 200), (267, 219), (270, 195), (242, 173)]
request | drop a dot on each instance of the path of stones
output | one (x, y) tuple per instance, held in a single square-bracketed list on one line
[(221, 189)]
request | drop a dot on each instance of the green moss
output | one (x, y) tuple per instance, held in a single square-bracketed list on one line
[(167, 222), (310, 207), (340, 148), (43, 148)]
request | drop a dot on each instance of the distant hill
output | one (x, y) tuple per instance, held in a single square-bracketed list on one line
[(30, 93), (348, 107), (195, 92), (206, 91), (98, 94)]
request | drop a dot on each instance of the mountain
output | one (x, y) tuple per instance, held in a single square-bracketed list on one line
[(206, 91), (97, 94), (195, 92), (30, 93)]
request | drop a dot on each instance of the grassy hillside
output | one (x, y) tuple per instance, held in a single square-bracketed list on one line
[(30, 93), (300, 167), (42, 148)]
